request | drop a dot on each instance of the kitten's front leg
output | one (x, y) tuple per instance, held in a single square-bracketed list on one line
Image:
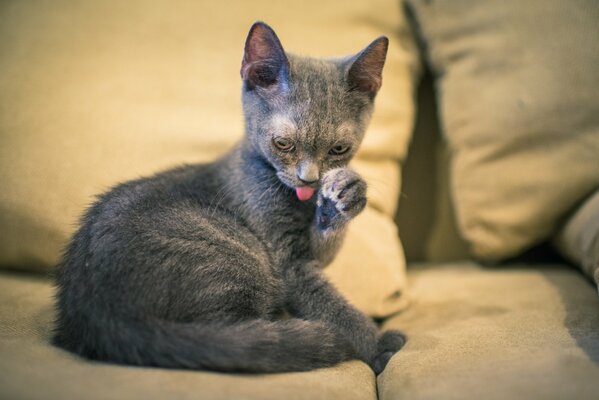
[(341, 197), (310, 296)]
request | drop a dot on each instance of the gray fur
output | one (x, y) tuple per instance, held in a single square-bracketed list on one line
[(194, 267)]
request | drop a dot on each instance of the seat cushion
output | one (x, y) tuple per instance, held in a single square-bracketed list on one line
[(519, 332), (31, 368)]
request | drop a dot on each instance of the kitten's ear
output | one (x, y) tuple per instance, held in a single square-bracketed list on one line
[(264, 61), (365, 69)]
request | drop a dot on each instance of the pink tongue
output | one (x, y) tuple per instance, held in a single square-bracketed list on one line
[(304, 193)]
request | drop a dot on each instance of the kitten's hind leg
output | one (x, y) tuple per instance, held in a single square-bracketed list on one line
[(202, 266)]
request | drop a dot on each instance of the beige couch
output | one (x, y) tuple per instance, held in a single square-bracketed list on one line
[(523, 328)]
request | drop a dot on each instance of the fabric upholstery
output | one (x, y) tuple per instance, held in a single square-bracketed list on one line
[(578, 239), (518, 105), (95, 93), (425, 215), (519, 332), (30, 368)]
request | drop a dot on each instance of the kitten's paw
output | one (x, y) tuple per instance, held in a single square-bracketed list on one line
[(391, 341), (380, 361), (389, 344), (341, 197)]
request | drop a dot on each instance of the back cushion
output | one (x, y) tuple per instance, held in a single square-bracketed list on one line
[(517, 89)]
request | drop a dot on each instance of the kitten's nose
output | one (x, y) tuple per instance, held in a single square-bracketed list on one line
[(308, 172)]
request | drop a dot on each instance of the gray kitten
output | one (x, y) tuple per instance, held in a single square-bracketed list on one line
[(195, 267)]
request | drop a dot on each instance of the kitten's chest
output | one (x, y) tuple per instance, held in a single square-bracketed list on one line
[(284, 223)]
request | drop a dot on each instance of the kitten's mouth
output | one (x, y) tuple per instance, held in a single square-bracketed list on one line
[(304, 193)]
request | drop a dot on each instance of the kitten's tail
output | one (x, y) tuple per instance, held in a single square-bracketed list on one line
[(252, 346)]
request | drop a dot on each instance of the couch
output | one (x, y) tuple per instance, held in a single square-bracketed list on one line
[(495, 304)]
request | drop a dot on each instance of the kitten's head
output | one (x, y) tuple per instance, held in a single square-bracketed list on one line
[(304, 115)]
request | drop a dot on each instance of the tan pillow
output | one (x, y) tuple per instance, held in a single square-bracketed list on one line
[(94, 93), (517, 84)]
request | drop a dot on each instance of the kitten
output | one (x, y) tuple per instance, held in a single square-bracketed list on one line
[(193, 268)]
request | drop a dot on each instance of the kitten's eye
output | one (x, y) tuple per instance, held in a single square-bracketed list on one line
[(339, 150), (283, 144)]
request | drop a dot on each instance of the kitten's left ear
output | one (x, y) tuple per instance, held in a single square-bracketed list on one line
[(365, 69), (264, 61)]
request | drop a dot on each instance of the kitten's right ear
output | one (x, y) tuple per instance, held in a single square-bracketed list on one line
[(264, 61), (365, 70)]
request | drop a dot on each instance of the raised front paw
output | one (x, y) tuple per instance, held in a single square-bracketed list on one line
[(389, 344), (341, 197)]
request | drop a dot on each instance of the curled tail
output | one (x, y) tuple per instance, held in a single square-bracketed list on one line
[(251, 346)]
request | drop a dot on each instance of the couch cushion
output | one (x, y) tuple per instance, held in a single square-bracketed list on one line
[(95, 93), (425, 214), (578, 238), (518, 332), (518, 100), (31, 368)]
